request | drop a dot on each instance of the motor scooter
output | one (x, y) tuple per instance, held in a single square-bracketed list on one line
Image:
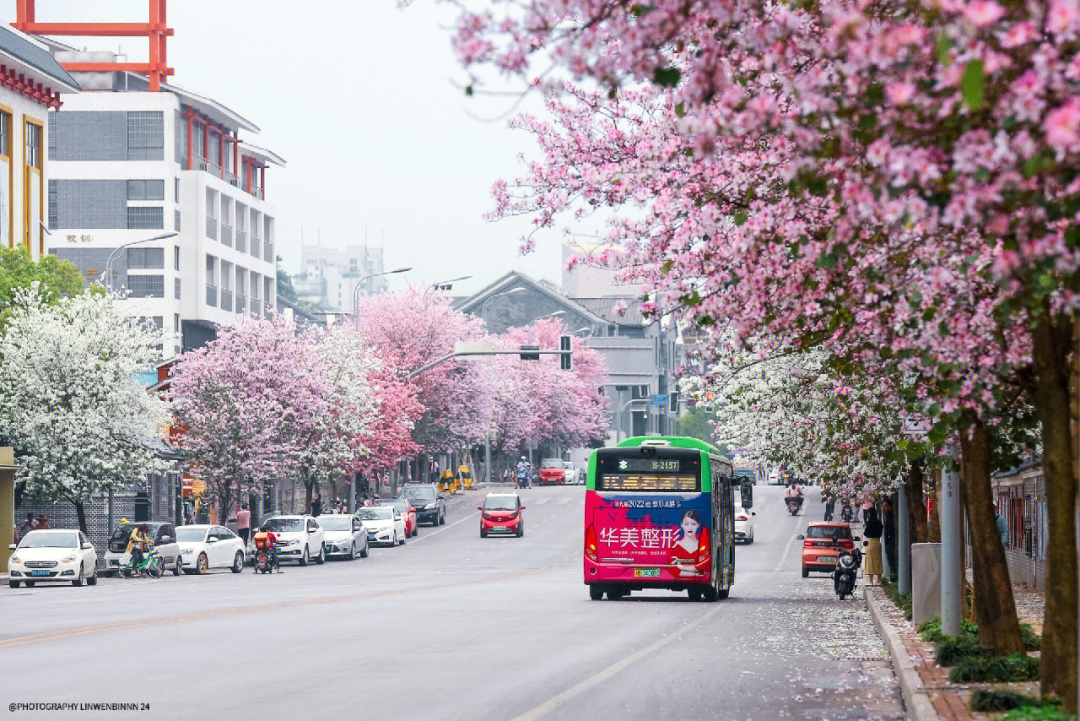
[(847, 567), (794, 503), (264, 561)]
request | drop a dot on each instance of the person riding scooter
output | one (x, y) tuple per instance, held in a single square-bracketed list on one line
[(266, 543), (794, 495)]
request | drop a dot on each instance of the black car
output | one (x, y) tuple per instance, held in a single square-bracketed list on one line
[(429, 503)]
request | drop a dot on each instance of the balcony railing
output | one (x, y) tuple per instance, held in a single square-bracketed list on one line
[(268, 252), (226, 234), (226, 300), (241, 241), (211, 295), (241, 303), (211, 228), (256, 306)]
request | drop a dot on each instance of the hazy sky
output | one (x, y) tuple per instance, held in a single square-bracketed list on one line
[(362, 106)]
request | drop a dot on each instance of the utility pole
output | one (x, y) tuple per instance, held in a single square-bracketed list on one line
[(487, 458), (950, 553), (903, 540)]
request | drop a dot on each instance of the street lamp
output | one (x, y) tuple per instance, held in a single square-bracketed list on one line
[(108, 263), (483, 306), (360, 284), (448, 284)]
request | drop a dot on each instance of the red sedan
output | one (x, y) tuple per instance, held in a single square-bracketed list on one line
[(822, 545), (502, 513), (407, 511), (552, 471)]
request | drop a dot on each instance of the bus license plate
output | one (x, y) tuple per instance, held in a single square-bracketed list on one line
[(646, 573)]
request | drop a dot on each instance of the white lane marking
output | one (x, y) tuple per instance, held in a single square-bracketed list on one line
[(444, 528), (803, 521), (559, 699), (564, 501), (542, 501)]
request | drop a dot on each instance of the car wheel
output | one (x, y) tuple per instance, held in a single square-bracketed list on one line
[(751, 537), (694, 592), (178, 567), (723, 593), (596, 592), (806, 573), (352, 551), (520, 530), (202, 565), (13, 584), (78, 581), (483, 534), (29, 584), (442, 518), (92, 581), (321, 559), (364, 550), (304, 557), (710, 593), (238, 562)]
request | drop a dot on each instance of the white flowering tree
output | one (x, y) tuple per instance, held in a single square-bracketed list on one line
[(70, 403)]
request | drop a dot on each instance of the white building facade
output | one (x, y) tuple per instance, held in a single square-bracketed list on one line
[(329, 275), (31, 82), (154, 192)]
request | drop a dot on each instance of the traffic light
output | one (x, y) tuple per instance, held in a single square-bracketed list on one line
[(673, 401), (528, 352), (566, 360)]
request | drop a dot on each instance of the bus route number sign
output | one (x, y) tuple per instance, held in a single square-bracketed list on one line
[(649, 465)]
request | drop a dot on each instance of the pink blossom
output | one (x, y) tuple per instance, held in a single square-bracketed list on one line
[(983, 12), (1062, 125)]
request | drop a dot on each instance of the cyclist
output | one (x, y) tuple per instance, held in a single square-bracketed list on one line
[(524, 473), (139, 544)]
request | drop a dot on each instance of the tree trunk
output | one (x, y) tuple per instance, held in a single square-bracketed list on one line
[(80, 511), (993, 606), (308, 487), (933, 529), (1051, 357), (917, 503)]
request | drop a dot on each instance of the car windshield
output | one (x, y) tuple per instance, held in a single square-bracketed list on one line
[(830, 532), (338, 522), (419, 494), (190, 535), (500, 503), (121, 533), (551, 463), (376, 513), (286, 525), (50, 539), (398, 503)]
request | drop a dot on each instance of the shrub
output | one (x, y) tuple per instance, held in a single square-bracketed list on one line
[(902, 601), (1032, 642), (1037, 713), (995, 669), (1000, 700), (931, 630), (953, 649)]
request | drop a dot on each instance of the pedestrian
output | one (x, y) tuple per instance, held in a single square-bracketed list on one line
[(888, 525), (872, 533), (243, 524), (28, 525), (42, 522), (830, 505), (316, 505), (1003, 529), (867, 506)]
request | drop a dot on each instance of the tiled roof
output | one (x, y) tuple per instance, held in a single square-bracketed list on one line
[(34, 56), (605, 308)]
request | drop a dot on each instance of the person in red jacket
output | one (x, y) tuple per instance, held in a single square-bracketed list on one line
[(266, 539)]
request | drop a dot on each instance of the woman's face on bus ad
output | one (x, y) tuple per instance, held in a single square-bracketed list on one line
[(690, 526)]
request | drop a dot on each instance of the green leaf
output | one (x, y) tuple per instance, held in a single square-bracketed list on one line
[(468, 90), (666, 77), (942, 45), (740, 218), (639, 10), (972, 84), (826, 261), (691, 300), (667, 266), (680, 111)]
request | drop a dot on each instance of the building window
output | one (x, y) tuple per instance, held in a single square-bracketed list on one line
[(5, 180), (54, 205), (176, 323), (176, 189), (147, 286), (176, 221), (176, 288), (146, 258), (145, 218), (54, 134), (156, 322), (33, 146), (176, 257), (145, 135), (146, 190)]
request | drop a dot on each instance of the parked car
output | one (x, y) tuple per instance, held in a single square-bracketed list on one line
[(162, 534), (300, 538), (822, 545), (203, 547), (552, 472), (52, 555), (502, 513), (407, 511), (429, 503), (744, 525), (344, 535), (384, 524)]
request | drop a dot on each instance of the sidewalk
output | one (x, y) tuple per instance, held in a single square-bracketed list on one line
[(928, 693)]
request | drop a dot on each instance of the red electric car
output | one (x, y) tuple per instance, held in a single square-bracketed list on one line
[(822, 545), (501, 513), (552, 471)]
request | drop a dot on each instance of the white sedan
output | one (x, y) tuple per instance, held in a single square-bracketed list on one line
[(384, 524), (52, 555), (344, 535), (299, 538), (744, 525), (204, 547)]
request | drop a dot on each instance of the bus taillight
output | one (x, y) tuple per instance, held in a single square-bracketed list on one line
[(590, 543)]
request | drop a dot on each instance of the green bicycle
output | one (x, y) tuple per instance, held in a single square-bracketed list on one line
[(150, 565)]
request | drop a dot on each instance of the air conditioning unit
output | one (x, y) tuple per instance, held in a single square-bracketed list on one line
[(234, 182), (204, 166)]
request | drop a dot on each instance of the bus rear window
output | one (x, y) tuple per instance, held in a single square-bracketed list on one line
[(646, 482)]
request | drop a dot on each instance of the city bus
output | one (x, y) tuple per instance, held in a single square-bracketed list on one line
[(659, 513)]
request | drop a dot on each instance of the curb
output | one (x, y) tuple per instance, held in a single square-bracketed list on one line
[(916, 700)]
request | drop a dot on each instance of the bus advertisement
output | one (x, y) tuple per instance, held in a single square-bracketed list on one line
[(659, 514)]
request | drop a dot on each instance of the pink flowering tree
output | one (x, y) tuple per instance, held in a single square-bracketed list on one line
[(390, 435)]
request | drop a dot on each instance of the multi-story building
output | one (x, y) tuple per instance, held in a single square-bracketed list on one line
[(155, 192), (329, 275), (31, 83)]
